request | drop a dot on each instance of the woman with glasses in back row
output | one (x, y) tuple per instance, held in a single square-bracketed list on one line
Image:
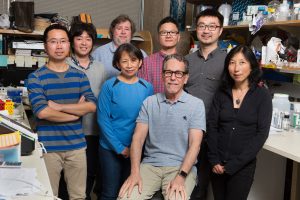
[(238, 125)]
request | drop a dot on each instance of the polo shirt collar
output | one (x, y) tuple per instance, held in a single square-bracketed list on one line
[(76, 62), (210, 55), (183, 98), (112, 47)]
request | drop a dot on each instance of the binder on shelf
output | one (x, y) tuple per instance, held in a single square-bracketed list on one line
[(28, 44)]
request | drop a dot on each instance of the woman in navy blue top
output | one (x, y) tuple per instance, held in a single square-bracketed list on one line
[(238, 125), (119, 103)]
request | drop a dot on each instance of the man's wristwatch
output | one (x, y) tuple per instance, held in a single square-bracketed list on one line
[(182, 174)]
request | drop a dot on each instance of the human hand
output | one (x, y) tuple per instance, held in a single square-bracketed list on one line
[(82, 99), (176, 187), (128, 185), (126, 152), (218, 169), (54, 106)]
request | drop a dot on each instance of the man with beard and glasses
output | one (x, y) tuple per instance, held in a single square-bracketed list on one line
[(121, 31)]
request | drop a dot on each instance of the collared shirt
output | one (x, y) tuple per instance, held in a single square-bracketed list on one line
[(105, 54), (77, 63), (96, 75), (169, 122), (205, 75), (151, 71)]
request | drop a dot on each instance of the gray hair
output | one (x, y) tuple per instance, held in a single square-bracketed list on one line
[(179, 58)]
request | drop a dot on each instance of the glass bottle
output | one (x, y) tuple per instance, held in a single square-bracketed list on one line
[(286, 122)]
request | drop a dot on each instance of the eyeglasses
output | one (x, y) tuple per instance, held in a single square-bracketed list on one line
[(210, 27), (165, 33), (56, 42), (178, 74)]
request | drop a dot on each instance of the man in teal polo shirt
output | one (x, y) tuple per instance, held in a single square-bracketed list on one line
[(171, 124)]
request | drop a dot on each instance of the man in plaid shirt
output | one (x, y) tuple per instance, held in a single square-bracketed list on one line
[(168, 36)]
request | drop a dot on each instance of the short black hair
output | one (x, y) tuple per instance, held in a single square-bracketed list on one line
[(77, 28), (255, 74), (179, 58), (53, 27), (133, 52), (118, 20), (211, 13), (167, 20)]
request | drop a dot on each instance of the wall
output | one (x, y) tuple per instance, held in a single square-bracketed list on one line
[(269, 177), (154, 11)]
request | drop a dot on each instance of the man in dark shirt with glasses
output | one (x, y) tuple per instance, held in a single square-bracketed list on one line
[(206, 69)]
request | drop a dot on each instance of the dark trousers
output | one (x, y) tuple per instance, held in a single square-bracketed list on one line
[(92, 163), (233, 187), (203, 173), (92, 143), (115, 169)]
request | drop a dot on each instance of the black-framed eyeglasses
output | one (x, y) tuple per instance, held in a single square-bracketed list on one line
[(210, 27), (165, 33), (178, 74)]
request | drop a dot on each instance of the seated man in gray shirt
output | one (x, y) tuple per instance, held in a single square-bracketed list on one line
[(171, 124)]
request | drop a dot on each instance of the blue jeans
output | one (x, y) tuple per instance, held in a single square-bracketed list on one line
[(114, 171)]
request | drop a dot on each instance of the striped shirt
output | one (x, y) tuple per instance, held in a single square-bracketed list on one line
[(151, 71), (63, 88)]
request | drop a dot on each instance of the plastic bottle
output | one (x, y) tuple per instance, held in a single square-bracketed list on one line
[(273, 9), (283, 11), (281, 105), (263, 55), (225, 10), (281, 102), (296, 12), (265, 15), (295, 115)]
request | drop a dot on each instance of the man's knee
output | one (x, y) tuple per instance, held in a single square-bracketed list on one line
[(135, 195)]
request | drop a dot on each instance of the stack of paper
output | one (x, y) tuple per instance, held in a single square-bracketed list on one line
[(23, 52), (18, 182)]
